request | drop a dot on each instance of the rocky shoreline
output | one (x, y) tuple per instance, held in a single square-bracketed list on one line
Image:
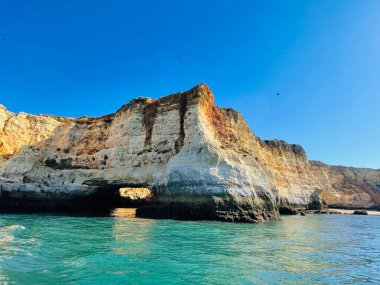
[(196, 161)]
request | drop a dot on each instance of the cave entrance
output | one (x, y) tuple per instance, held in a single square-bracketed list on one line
[(136, 194), (105, 199), (132, 196), (120, 200)]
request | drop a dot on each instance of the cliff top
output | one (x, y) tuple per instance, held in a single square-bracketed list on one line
[(320, 164), (201, 87)]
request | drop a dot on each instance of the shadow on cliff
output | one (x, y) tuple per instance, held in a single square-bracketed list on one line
[(97, 196)]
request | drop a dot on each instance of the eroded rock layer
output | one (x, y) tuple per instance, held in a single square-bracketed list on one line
[(348, 187), (199, 161)]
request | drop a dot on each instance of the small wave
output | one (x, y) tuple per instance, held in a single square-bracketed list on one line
[(13, 228), (9, 232)]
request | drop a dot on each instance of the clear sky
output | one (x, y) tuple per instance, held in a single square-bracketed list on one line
[(89, 57)]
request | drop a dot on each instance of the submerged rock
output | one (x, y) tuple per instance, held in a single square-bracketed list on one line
[(195, 160), (360, 212)]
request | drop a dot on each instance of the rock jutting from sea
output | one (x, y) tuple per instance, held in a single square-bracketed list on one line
[(192, 159)]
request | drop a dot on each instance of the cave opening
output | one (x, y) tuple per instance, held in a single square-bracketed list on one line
[(105, 200), (118, 200)]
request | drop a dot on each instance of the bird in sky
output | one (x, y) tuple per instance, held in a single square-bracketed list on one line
[(179, 57), (278, 93)]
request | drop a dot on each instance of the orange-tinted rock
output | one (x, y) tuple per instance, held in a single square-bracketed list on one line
[(199, 160)]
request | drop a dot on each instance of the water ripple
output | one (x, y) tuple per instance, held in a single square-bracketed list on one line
[(46, 249)]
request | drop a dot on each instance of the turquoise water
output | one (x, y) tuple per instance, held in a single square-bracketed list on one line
[(316, 249)]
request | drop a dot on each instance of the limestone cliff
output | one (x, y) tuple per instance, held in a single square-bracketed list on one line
[(348, 187), (200, 161)]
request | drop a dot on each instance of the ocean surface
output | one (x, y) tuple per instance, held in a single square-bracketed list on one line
[(316, 249)]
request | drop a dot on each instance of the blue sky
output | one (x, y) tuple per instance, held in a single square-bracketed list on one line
[(75, 58)]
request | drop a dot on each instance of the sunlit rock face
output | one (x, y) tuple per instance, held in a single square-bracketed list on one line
[(137, 195), (200, 161), (348, 187)]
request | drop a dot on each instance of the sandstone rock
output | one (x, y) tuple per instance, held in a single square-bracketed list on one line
[(137, 195), (348, 187), (198, 160)]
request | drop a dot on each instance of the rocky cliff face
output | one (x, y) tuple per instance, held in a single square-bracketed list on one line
[(200, 161), (348, 187)]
